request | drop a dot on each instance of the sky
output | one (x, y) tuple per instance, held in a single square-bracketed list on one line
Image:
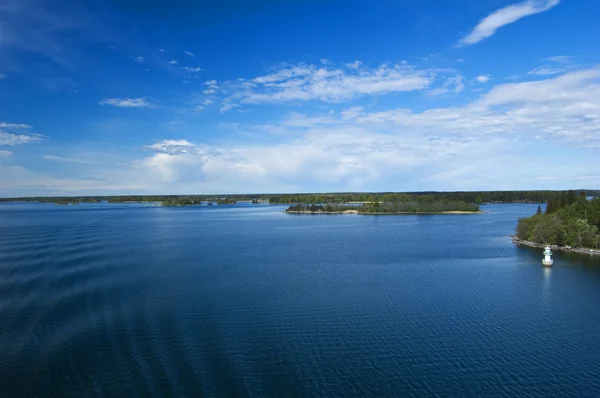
[(236, 96)]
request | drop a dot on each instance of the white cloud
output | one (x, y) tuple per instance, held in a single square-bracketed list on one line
[(545, 70), (483, 78), (303, 82), (18, 139), (127, 102), (207, 102), (191, 69), (189, 53), (13, 126), (560, 59), (173, 62), (11, 139), (354, 65), (566, 108), (5, 154), (2, 76), (199, 108), (212, 87), (455, 84), (181, 147), (489, 143), (505, 16), (139, 59), (162, 50), (69, 160), (226, 106)]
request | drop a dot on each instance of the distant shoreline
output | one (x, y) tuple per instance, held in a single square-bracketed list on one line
[(567, 249), (382, 213)]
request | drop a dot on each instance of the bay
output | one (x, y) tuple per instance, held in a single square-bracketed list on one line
[(244, 300)]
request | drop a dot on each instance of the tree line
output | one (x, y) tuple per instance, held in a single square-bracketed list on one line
[(569, 220), (387, 207), (478, 197)]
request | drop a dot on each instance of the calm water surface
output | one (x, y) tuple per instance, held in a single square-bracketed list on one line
[(132, 300)]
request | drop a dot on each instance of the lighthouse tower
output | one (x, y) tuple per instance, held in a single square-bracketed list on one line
[(547, 261)]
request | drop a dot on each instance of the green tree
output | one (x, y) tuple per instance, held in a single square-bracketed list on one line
[(551, 206), (539, 210), (571, 197)]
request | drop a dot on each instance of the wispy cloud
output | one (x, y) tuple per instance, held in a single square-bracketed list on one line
[(16, 137), (303, 82), (13, 139), (561, 59), (180, 147), (553, 66), (192, 69), (189, 53), (14, 126), (128, 102), (482, 78), (454, 84), (140, 60), (505, 16), (564, 108), (5, 154), (211, 87), (354, 65), (69, 160), (173, 62), (2, 76), (545, 70)]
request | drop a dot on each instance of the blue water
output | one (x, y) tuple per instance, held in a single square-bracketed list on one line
[(132, 300)]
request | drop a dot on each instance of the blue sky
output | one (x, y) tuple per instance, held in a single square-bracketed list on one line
[(175, 97)]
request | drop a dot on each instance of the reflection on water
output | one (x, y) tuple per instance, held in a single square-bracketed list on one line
[(547, 285)]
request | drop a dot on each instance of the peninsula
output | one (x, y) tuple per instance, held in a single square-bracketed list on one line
[(571, 222)]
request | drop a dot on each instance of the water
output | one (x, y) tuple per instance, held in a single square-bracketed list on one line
[(132, 300)]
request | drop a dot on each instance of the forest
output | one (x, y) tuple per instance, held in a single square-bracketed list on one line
[(569, 220)]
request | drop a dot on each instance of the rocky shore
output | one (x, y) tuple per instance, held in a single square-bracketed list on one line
[(570, 249)]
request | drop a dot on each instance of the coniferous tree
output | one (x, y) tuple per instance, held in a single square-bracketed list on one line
[(539, 209), (550, 206), (571, 197)]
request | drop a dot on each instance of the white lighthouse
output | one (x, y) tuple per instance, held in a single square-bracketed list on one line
[(547, 261)]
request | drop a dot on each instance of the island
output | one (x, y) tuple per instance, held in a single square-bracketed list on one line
[(570, 222), (226, 201), (384, 208), (180, 201)]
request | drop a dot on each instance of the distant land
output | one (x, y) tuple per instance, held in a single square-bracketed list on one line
[(474, 197)]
